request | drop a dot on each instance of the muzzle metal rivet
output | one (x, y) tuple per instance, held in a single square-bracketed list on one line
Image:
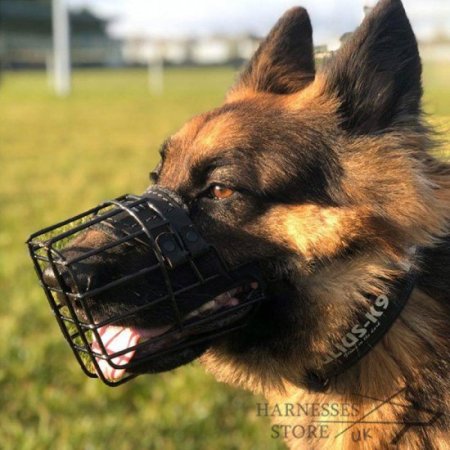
[(191, 236), (169, 245)]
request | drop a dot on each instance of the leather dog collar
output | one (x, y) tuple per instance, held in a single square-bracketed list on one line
[(363, 336)]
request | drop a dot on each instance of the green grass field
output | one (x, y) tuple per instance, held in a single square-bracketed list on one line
[(59, 157)]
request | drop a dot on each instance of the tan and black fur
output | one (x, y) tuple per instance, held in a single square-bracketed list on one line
[(337, 193), (344, 182)]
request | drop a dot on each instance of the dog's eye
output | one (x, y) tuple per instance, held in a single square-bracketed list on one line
[(219, 192), (154, 174)]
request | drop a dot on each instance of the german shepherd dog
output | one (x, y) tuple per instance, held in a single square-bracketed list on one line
[(328, 179)]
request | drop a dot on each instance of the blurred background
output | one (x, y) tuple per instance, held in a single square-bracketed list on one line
[(88, 91)]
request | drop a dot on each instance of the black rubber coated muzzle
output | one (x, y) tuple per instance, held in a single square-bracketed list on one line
[(201, 298)]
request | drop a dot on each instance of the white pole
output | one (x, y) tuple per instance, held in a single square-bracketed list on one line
[(156, 74), (61, 47), (49, 69)]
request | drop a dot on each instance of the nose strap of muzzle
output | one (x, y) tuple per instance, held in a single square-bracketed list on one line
[(177, 245), (171, 207)]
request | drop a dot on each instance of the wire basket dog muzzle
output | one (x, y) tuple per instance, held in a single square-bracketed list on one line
[(191, 296)]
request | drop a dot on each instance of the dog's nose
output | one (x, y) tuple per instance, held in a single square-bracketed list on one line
[(50, 278), (61, 283), (76, 280)]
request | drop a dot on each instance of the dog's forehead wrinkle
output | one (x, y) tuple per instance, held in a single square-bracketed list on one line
[(225, 161), (280, 141), (256, 119), (163, 150)]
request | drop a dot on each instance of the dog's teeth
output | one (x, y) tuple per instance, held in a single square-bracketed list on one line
[(226, 299), (207, 306), (221, 298), (192, 314)]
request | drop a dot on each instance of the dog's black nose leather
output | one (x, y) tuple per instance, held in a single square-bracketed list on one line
[(64, 283), (50, 278)]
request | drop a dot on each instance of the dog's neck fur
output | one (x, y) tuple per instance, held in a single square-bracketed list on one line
[(408, 369), (351, 289)]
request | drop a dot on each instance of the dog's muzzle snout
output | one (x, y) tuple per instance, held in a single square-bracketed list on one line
[(187, 294), (56, 278), (50, 278)]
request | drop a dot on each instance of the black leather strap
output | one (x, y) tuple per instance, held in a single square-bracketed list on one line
[(159, 209), (366, 334)]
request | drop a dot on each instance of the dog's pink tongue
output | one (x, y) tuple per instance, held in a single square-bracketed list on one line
[(116, 339)]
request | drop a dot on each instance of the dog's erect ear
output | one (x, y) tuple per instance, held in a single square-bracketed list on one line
[(284, 62), (376, 75)]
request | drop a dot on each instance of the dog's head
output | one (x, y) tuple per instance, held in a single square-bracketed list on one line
[(321, 176)]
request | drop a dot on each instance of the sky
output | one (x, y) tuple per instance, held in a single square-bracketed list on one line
[(178, 18)]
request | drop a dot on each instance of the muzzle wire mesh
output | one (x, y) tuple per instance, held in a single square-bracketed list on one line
[(158, 222)]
